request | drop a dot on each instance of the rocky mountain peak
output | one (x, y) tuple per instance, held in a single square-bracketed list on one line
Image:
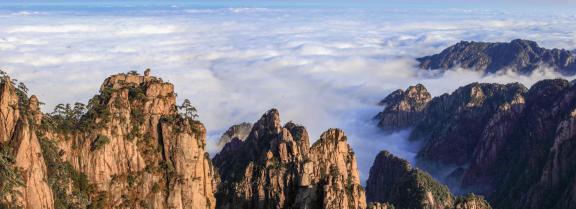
[(270, 121), (124, 80), (403, 108), (34, 108), (392, 180), (300, 135), (394, 183), (546, 90), (330, 169), (413, 95), (527, 44), (333, 136), (418, 92), (275, 168), (131, 94), (259, 171)]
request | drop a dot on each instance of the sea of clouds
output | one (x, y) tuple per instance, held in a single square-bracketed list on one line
[(321, 68)]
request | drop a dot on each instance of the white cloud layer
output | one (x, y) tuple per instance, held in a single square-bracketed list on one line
[(321, 68)]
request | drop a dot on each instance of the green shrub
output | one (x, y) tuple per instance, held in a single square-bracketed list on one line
[(66, 118), (137, 115), (131, 179), (9, 176), (136, 93), (99, 142), (99, 202), (62, 176), (155, 188), (427, 183)]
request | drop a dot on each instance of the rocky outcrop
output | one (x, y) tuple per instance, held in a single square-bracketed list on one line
[(521, 56), (139, 152), (511, 144), (453, 124), (393, 183), (262, 171), (9, 109), (239, 131), (26, 165), (35, 193), (128, 148), (330, 175), (275, 168), (403, 109)]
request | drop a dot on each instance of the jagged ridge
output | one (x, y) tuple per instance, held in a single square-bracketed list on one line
[(521, 56), (510, 143), (276, 168)]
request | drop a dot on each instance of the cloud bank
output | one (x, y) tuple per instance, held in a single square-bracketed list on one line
[(322, 68)]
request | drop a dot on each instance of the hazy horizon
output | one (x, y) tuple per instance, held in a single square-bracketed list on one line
[(526, 5)]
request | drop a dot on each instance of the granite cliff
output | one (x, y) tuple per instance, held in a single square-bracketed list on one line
[(128, 148), (23, 169)]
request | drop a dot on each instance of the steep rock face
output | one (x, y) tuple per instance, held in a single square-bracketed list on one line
[(540, 169), (392, 180), (330, 169), (18, 132), (239, 131), (519, 55), (452, 124), (275, 168), (134, 149), (9, 109), (511, 144), (558, 176), (262, 171), (403, 109), (29, 159)]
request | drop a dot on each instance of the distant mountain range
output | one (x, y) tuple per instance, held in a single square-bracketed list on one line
[(521, 56)]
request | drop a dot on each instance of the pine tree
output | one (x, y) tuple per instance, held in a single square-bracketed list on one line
[(187, 110)]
